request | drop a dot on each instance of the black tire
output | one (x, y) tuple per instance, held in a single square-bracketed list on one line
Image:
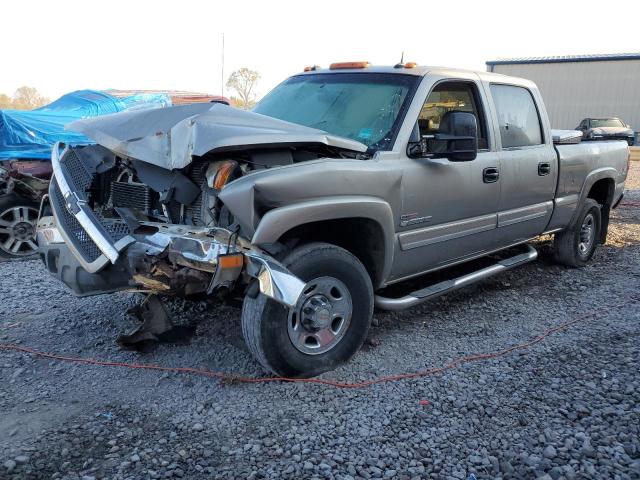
[(569, 246), (8, 203), (265, 323)]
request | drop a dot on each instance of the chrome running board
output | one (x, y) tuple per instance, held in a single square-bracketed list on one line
[(441, 288)]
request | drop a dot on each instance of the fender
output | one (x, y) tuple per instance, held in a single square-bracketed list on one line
[(277, 222), (589, 181)]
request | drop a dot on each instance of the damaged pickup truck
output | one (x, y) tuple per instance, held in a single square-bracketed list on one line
[(341, 185)]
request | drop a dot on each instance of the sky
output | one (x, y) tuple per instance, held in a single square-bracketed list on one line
[(65, 45)]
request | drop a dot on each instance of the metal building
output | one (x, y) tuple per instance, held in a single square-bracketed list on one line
[(579, 86)]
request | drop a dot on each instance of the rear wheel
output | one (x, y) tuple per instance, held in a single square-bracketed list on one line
[(18, 218), (326, 327), (575, 246)]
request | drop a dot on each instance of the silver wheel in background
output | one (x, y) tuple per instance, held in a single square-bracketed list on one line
[(321, 317), (17, 230)]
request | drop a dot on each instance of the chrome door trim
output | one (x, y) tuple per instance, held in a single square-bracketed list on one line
[(567, 200), (446, 231), (523, 214)]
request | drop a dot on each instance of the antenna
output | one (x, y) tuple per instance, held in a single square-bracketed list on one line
[(402, 57), (222, 69)]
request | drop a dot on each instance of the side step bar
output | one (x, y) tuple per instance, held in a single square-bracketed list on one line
[(447, 286)]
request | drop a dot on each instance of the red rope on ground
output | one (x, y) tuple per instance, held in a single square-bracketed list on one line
[(629, 203), (390, 378)]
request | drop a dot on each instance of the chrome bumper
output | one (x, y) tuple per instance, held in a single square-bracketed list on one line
[(197, 248)]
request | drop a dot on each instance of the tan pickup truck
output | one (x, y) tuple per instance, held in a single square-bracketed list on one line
[(339, 184)]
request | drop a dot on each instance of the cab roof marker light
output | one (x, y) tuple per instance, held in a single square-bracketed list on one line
[(311, 68), (406, 65), (345, 65)]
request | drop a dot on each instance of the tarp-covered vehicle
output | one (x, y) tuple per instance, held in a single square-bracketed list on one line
[(26, 139)]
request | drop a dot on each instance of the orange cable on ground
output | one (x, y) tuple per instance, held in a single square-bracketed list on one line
[(390, 378)]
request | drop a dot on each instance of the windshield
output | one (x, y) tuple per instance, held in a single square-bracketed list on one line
[(606, 122), (366, 107)]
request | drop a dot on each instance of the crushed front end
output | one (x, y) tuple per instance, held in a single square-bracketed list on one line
[(121, 224)]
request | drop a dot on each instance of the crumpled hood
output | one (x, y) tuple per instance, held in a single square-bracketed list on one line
[(168, 137), (611, 131)]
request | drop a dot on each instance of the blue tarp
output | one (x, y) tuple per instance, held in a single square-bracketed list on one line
[(31, 133)]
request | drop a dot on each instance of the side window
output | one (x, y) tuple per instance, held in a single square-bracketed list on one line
[(517, 116), (449, 97)]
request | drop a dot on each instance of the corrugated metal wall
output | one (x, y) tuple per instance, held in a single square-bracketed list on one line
[(576, 90)]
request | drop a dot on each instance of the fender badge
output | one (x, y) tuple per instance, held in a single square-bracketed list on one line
[(413, 219)]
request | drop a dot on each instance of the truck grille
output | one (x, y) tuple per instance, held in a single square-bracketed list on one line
[(67, 222), (80, 176), (79, 179), (131, 195)]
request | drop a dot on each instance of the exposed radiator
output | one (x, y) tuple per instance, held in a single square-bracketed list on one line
[(193, 212), (131, 195)]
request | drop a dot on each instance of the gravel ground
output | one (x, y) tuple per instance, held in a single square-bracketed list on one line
[(567, 407)]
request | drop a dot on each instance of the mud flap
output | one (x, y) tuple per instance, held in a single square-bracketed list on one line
[(156, 327)]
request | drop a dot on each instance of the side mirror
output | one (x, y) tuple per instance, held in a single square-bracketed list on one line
[(457, 139)]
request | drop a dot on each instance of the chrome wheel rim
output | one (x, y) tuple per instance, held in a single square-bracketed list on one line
[(587, 235), (321, 317), (17, 231)]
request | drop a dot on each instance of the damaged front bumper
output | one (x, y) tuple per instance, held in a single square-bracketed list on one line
[(170, 259), (94, 255)]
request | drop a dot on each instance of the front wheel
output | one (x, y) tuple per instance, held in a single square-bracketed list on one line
[(18, 218), (575, 246), (326, 327)]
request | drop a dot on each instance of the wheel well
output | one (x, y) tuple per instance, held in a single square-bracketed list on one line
[(363, 237), (602, 192)]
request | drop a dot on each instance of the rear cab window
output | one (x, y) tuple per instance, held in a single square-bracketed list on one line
[(518, 116)]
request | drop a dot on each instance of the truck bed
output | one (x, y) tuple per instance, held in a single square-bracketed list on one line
[(580, 166)]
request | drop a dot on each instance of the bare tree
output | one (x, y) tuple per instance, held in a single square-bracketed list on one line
[(5, 101), (28, 98), (244, 81)]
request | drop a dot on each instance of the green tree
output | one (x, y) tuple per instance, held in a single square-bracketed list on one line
[(244, 81)]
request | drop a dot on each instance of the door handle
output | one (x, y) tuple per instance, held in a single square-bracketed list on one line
[(544, 168), (490, 175)]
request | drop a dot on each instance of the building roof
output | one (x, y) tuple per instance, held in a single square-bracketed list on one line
[(567, 58)]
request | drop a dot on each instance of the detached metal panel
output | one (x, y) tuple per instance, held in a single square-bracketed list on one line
[(574, 88)]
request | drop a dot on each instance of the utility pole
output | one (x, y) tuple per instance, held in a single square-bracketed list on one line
[(222, 70)]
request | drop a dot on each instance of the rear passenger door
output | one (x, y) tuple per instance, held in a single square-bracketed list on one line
[(528, 165)]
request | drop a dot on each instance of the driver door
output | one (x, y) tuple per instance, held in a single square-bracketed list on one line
[(449, 208)]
